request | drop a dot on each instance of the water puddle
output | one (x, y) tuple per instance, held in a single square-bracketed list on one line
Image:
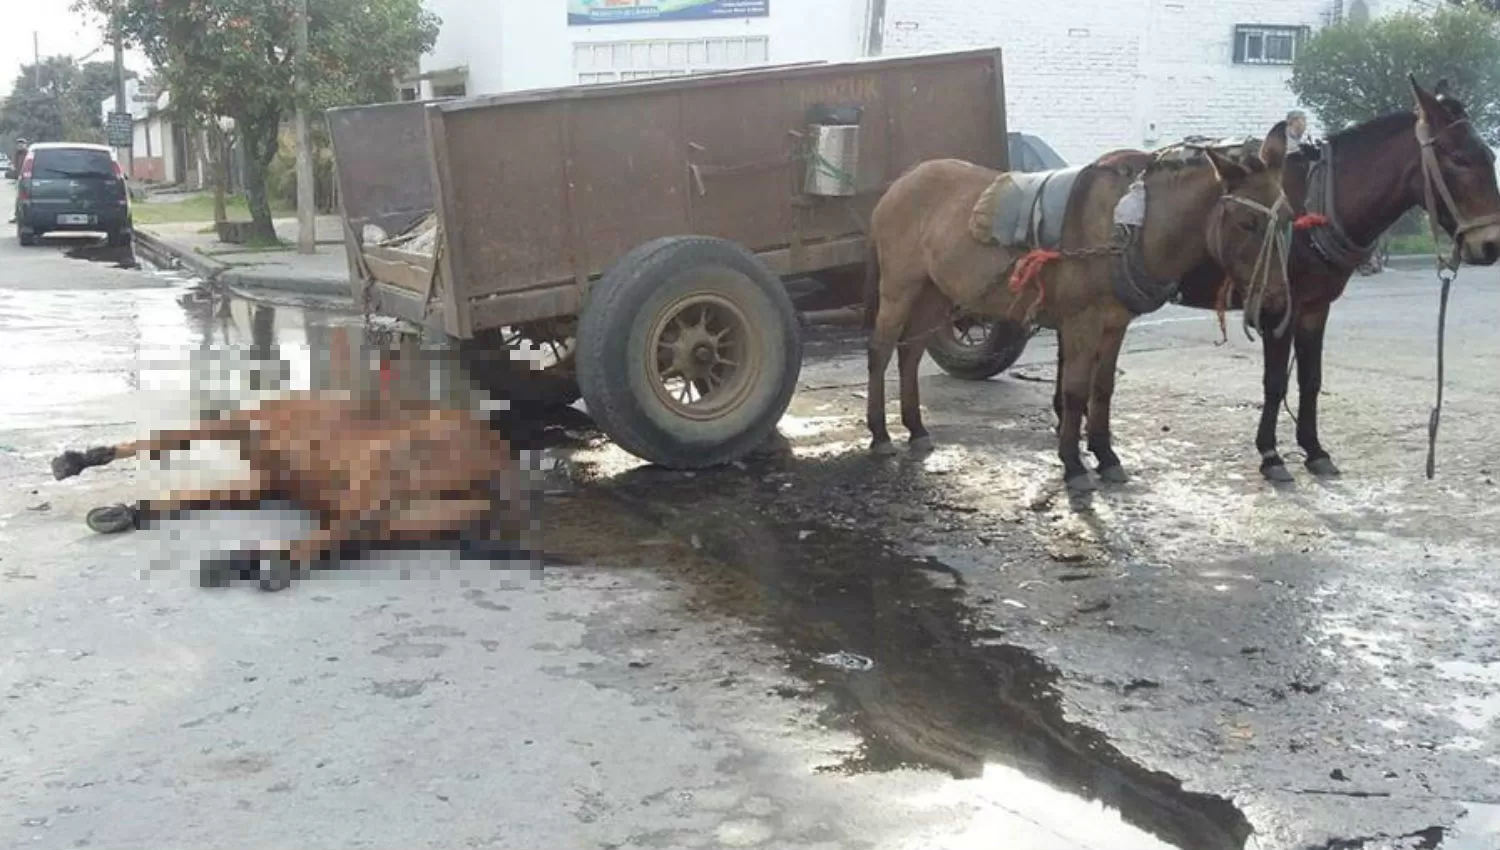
[(888, 640), (120, 257)]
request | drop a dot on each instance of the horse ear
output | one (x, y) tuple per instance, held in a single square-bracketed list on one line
[(1429, 108), (1273, 149), (1230, 172)]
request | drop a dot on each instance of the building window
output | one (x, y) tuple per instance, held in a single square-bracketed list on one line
[(1257, 44), (623, 61)]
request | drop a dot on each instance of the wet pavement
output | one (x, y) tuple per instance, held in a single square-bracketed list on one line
[(812, 649)]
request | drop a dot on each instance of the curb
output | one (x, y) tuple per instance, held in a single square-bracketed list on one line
[(163, 253), (232, 276)]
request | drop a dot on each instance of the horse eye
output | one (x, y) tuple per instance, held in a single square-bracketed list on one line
[(1246, 225)]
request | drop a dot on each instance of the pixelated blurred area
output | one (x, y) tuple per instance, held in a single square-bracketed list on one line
[(366, 438)]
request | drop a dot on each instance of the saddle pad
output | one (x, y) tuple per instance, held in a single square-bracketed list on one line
[(1027, 209)]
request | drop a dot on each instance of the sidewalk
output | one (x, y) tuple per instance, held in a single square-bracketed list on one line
[(325, 273)]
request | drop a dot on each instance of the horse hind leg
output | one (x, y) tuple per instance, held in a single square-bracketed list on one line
[(932, 310), (897, 298)]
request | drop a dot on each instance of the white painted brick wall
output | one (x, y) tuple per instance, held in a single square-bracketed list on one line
[(1093, 75)]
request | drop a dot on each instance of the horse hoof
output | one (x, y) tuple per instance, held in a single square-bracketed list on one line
[(1082, 483), (882, 448), (67, 465), (921, 445), (1323, 467), (1277, 473), (1114, 475), (110, 519)]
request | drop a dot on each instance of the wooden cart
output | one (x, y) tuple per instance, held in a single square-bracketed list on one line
[(644, 231)]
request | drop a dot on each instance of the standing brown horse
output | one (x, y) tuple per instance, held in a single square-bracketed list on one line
[(929, 256), (1356, 185)]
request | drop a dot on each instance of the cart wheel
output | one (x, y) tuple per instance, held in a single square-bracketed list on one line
[(688, 352), (975, 349)]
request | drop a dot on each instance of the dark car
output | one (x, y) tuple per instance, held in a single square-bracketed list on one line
[(72, 187), (1030, 153)]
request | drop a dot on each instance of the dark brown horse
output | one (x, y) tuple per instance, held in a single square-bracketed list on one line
[(931, 251), (1360, 182)]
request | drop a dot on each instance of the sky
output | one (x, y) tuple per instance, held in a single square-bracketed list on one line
[(59, 30)]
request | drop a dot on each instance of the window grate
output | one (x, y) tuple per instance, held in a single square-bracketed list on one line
[(1262, 44), (623, 61)]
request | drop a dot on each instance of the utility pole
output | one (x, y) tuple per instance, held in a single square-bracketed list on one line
[(307, 237), (36, 58), (117, 35)]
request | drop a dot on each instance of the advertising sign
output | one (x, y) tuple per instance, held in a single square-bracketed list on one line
[(590, 12)]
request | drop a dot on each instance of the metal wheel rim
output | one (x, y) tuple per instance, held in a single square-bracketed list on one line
[(970, 333), (677, 368), (553, 351)]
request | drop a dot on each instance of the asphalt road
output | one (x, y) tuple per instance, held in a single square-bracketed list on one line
[(1193, 660)]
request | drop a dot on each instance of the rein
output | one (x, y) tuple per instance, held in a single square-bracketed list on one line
[(1435, 187)]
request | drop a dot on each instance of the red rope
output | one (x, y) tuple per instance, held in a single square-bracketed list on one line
[(1309, 221), (385, 375), (1029, 269)]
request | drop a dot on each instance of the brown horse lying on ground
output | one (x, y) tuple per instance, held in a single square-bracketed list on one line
[(928, 257), (375, 472)]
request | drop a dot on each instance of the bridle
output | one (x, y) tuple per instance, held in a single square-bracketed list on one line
[(1435, 188), (1275, 251)]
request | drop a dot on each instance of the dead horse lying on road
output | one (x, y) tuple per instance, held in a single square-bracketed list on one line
[(930, 253), (375, 472)]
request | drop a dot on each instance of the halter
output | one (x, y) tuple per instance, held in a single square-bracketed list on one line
[(1433, 179), (1275, 250)]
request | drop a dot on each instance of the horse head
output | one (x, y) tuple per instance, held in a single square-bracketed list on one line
[(1458, 175)]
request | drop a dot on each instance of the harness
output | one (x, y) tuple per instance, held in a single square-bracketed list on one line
[(1275, 252)]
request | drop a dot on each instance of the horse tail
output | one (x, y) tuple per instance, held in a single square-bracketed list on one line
[(872, 284)]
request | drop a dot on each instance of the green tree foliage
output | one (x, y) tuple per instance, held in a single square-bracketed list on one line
[(58, 101), (1350, 73), (237, 58)]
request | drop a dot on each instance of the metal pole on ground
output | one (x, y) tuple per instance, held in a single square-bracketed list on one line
[(307, 238)]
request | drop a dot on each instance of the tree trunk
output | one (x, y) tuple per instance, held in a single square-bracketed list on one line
[(218, 166), (260, 136)]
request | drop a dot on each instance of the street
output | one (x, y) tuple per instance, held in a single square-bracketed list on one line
[(813, 650)]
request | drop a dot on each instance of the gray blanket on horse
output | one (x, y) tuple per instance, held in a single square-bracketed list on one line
[(1025, 210)]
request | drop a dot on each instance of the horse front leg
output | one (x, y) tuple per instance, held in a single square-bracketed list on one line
[(1101, 395), (1078, 369), (1278, 354), (1309, 346)]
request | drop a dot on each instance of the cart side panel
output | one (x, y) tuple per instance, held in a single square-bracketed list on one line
[(380, 163), (943, 111), (510, 196), (827, 218), (743, 156), (630, 167)]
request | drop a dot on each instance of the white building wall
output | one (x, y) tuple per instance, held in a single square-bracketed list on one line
[(510, 45), (1094, 75)]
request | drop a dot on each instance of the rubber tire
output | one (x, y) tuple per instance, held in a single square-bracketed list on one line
[(26, 239), (118, 239), (1001, 350), (622, 308)]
